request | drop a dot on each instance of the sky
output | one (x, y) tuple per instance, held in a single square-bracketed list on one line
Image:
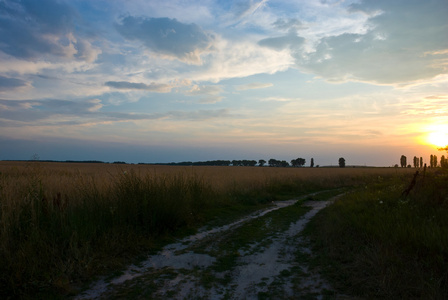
[(189, 80)]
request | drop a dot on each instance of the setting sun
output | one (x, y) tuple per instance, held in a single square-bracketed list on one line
[(438, 136)]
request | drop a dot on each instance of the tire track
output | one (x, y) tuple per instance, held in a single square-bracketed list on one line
[(178, 272)]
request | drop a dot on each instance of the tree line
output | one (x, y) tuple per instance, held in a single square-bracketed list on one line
[(418, 162), (297, 163)]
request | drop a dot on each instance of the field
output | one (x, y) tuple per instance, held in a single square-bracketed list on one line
[(61, 224), (379, 243)]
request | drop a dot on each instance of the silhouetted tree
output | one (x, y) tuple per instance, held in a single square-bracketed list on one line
[(416, 162), (261, 162), (249, 163), (312, 163), (434, 161), (341, 162), (421, 162), (274, 163), (299, 162), (444, 162), (284, 163), (403, 161)]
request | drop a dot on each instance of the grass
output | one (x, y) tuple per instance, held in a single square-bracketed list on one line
[(377, 243), (63, 224)]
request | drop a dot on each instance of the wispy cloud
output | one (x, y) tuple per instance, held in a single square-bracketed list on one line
[(253, 86), (153, 87), (205, 90), (391, 51), (62, 112), (208, 94)]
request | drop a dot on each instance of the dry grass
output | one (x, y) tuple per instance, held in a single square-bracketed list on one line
[(65, 222), (378, 243), (57, 177)]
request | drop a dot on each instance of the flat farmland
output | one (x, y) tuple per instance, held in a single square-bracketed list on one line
[(62, 177), (62, 224)]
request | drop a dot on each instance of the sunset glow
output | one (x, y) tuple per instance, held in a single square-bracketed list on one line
[(439, 136)]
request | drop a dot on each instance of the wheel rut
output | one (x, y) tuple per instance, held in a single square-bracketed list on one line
[(224, 263)]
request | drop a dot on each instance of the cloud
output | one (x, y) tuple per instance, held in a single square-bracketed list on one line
[(54, 113), (279, 43), (7, 83), (241, 59), (243, 9), (253, 86), (32, 29), (289, 25), (32, 110), (199, 115), (210, 99), (95, 105), (278, 99), (397, 48), (209, 93), (152, 87), (205, 90), (168, 37), (434, 105)]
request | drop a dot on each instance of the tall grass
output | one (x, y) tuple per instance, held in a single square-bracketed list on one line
[(48, 239), (379, 243), (61, 224)]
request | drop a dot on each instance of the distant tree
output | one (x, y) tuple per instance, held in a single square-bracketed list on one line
[(421, 162), (396, 166), (274, 163), (249, 163), (261, 162), (312, 163), (403, 161), (284, 163), (299, 162), (444, 162), (416, 162), (341, 162), (435, 163)]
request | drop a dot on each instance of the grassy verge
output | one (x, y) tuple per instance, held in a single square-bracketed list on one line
[(378, 243)]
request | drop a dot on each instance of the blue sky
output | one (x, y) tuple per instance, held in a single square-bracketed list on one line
[(163, 81)]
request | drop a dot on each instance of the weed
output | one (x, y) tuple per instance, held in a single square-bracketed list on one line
[(379, 242)]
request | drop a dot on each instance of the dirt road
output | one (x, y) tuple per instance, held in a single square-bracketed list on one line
[(259, 256)]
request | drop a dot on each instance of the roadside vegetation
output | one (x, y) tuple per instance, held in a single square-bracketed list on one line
[(387, 239), (63, 224)]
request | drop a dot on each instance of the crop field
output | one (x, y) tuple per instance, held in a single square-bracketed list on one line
[(62, 224)]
